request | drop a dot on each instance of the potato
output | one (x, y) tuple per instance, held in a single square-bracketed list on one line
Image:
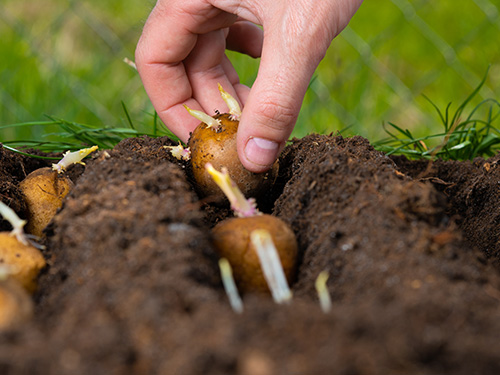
[(44, 190), (218, 147), (25, 260), (231, 238), (16, 305)]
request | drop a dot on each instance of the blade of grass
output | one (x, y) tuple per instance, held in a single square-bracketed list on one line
[(129, 119), (30, 155)]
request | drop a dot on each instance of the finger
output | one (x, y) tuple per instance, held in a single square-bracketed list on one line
[(168, 38), (206, 67), (274, 102), (241, 90), (296, 39), (245, 37)]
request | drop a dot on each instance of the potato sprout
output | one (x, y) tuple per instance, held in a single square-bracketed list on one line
[(209, 121), (232, 104), (230, 286), (16, 223), (322, 290), (241, 206), (179, 152), (271, 266), (71, 158)]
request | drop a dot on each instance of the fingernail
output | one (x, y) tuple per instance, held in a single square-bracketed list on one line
[(261, 151)]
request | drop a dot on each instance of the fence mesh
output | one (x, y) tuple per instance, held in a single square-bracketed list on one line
[(64, 58)]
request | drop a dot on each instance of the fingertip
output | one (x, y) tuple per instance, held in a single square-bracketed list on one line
[(259, 154)]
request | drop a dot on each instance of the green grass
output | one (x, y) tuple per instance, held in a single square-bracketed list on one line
[(461, 137), (63, 59), (74, 136)]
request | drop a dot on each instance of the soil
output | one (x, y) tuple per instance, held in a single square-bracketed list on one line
[(132, 284)]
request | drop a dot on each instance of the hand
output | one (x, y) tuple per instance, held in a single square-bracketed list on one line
[(181, 58)]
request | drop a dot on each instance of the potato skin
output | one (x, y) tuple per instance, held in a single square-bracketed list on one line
[(44, 191), (25, 259), (219, 148), (231, 238), (16, 305)]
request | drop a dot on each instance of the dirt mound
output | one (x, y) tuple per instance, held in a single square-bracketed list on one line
[(133, 284)]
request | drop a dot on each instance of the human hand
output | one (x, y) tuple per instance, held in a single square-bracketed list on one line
[(181, 58)]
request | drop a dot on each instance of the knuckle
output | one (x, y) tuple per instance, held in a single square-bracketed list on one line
[(277, 113), (140, 55)]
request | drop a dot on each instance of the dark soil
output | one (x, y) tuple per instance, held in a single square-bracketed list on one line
[(133, 286)]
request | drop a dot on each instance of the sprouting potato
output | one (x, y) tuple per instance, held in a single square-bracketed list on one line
[(25, 260), (45, 189), (253, 242), (16, 305), (231, 237), (22, 259), (214, 141)]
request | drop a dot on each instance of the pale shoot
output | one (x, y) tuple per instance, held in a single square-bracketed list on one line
[(71, 158), (230, 286), (179, 152), (271, 265), (209, 121), (130, 63), (241, 206), (322, 290), (232, 104), (6, 270), (16, 223)]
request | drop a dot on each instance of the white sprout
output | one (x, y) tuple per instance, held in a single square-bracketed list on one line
[(232, 104), (72, 158), (322, 290), (179, 152), (14, 220), (271, 265), (230, 286), (241, 206), (209, 121), (6, 270), (130, 63)]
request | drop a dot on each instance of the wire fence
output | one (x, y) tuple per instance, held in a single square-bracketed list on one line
[(64, 58), (393, 56)]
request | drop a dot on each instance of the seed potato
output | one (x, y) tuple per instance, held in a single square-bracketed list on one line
[(25, 260), (218, 147), (16, 305), (44, 191), (231, 238)]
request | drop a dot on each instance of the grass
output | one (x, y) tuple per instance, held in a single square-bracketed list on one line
[(74, 136), (461, 138), (63, 60)]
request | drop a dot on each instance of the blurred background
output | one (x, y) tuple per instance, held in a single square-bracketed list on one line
[(64, 58)]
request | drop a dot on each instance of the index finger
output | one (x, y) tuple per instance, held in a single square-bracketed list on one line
[(169, 36)]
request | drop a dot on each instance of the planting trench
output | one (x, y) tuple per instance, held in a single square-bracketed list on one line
[(132, 284)]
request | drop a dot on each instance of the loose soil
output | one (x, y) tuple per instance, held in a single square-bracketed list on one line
[(133, 287)]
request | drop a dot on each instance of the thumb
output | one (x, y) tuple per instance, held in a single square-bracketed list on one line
[(296, 37), (269, 116), (274, 102)]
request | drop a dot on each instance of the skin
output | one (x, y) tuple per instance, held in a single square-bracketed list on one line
[(181, 58)]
